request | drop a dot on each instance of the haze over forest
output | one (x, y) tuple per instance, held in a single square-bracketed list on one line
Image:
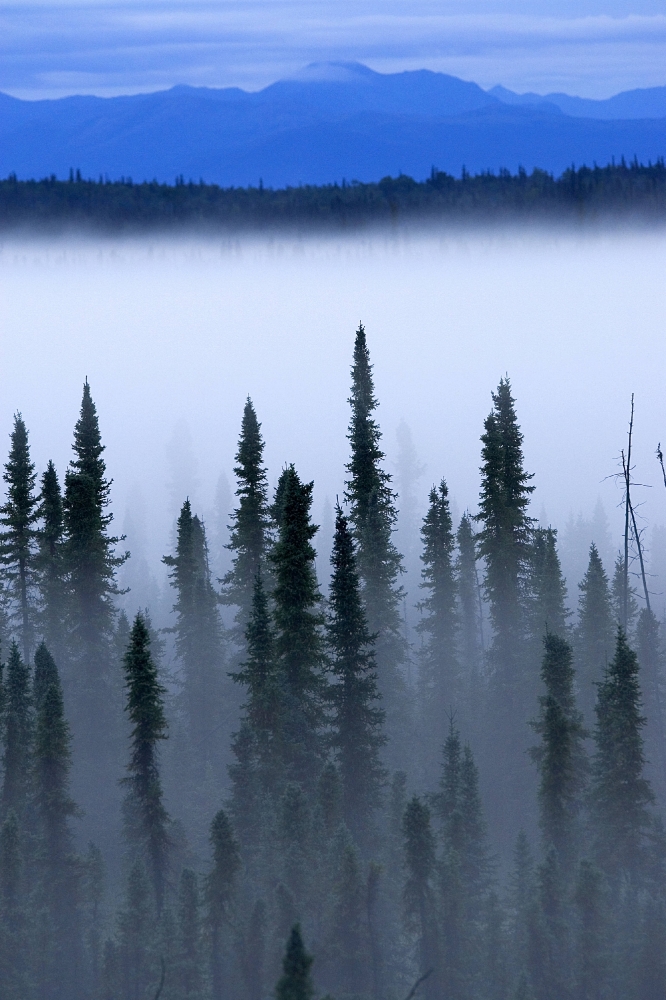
[(362, 787)]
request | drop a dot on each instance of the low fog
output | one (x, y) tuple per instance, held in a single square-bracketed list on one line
[(173, 335)]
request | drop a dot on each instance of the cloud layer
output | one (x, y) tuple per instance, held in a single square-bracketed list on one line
[(50, 49)]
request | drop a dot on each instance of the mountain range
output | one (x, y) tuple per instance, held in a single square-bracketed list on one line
[(332, 121)]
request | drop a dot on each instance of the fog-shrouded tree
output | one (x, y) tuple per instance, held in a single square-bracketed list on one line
[(146, 818), (189, 965), (548, 590), (219, 895), (438, 666), (505, 545), (373, 517), (18, 538), (470, 646), (59, 887), (15, 953), (296, 980), (419, 894), (250, 523), (560, 755), (649, 648), (621, 796), (18, 736), (299, 640), (198, 637), (594, 637), (51, 566), (357, 721)]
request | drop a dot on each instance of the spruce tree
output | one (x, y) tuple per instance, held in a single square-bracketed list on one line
[(504, 543), (418, 893), (438, 671), (469, 635), (15, 978), (650, 659), (357, 718), (299, 643), (146, 819), (59, 882), (560, 757), (219, 896), (295, 982), (138, 968), (18, 540), (198, 630), (373, 517), (250, 528), (548, 591), (348, 952), (18, 736), (595, 633), (53, 584), (189, 959), (620, 796), (591, 935)]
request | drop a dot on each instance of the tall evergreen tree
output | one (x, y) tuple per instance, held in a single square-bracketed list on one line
[(250, 528), (650, 659), (18, 540), (439, 680), (595, 633), (357, 718), (621, 796), (560, 757), (295, 982), (548, 590), (198, 630), (418, 895), (53, 584), (299, 641), (59, 889), (146, 819), (138, 968), (469, 622), (15, 971), (373, 516), (219, 894), (18, 736), (591, 934), (626, 617), (504, 543), (189, 958)]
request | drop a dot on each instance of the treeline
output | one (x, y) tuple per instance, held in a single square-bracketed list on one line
[(291, 805), (617, 189)]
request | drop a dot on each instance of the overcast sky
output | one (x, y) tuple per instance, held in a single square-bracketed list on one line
[(593, 48)]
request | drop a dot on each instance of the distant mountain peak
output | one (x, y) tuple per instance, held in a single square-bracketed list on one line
[(332, 72)]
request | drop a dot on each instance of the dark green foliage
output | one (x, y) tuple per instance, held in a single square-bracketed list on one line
[(250, 523), (548, 590), (198, 629), (560, 757), (18, 736), (418, 893), (46, 674), (438, 668), (357, 719), (53, 584), (146, 819), (18, 540), (219, 896), (621, 796), (299, 643), (295, 983), (595, 633), (373, 516)]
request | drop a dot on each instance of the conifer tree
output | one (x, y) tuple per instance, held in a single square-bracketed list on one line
[(591, 958), (418, 894), (595, 633), (299, 641), (625, 617), (254, 952), (93, 893), (53, 584), (136, 939), (59, 882), (439, 680), (219, 895), (650, 659), (560, 757), (357, 719), (295, 982), (146, 819), (18, 736), (189, 968), (373, 516), (198, 629), (250, 528), (504, 543), (348, 946), (621, 796), (14, 940), (18, 540), (548, 595), (521, 900), (470, 650), (550, 946)]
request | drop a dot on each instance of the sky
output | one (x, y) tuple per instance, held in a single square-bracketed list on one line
[(592, 48), (173, 336)]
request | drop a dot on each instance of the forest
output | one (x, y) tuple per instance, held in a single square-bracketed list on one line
[(283, 792), (579, 193)]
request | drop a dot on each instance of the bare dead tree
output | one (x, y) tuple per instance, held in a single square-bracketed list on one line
[(418, 982)]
